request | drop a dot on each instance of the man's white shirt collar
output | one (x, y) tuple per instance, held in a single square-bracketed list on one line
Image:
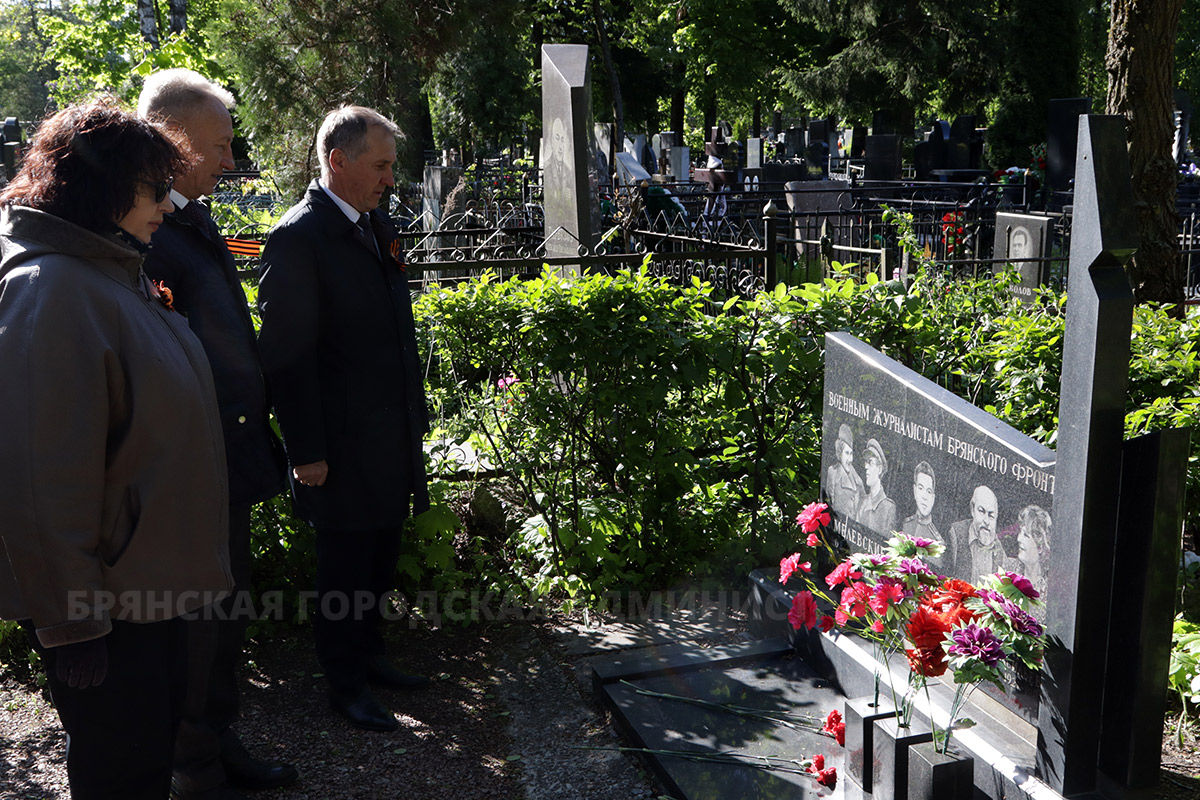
[(179, 200), (347, 209)]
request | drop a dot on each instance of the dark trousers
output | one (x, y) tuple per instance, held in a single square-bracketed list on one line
[(120, 733), (355, 570), (215, 641)]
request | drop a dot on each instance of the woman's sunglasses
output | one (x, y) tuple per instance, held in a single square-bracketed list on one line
[(161, 188)]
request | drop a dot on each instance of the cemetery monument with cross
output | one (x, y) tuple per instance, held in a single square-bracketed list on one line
[(1094, 524)]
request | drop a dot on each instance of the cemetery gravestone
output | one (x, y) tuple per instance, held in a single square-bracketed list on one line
[(793, 143), (681, 164), (883, 158), (923, 160), (438, 183), (571, 208), (808, 198), (939, 137), (816, 160), (900, 453), (603, 131), (630, 171), (1096, 696), (960, 143), (1022, 236), (1062, 134), (10, 148), (858, 142), (754, 153), (881, 124)]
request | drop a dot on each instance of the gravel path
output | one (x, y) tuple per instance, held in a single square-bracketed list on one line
[(504, 719)]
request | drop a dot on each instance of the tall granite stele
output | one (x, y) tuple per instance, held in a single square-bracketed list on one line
[(1095, 374), (568, 153)]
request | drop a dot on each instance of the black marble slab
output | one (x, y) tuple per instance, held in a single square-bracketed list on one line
[(780, 683)]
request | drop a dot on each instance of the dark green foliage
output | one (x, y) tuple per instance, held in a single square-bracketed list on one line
[(1040, 62), (909, 59), (482, 93)]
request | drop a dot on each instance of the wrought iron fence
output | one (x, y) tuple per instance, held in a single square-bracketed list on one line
[(817, 230)]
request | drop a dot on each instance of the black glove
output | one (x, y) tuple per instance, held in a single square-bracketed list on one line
[(82, 664)]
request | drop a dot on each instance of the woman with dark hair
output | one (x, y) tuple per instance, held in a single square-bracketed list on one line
[(112, 478)]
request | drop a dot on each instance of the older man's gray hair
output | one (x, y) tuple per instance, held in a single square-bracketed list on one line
[(177, 93), (346, 129)]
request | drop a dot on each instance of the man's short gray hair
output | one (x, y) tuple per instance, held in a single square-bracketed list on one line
[(346, 129), (176, 93)]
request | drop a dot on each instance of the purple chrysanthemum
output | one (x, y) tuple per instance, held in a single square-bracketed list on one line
[(879, 560), (976, 642), (921, 541), (914, 566), (988, 596), (1023, 584), (1022, 621)]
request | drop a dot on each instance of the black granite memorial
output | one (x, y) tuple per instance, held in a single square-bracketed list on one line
[(900, 453), (569, 164), (858, 142), (1062, 133), (793, 143), (961, 144), (883, 158), (1018, 237), (894, 445), (10, 148)]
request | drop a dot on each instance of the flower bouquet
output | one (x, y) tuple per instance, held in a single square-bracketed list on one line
[(895, 599)]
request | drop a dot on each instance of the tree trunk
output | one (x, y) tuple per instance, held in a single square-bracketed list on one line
[(148, 22), (1140, 87), (618, 106), (177, 15)]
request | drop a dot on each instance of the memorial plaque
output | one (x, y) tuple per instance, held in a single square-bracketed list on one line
[(900, 453), (1020, 236), (569, 168)]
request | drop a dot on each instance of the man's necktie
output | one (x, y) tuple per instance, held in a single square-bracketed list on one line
[(195, 213), (365, 234)]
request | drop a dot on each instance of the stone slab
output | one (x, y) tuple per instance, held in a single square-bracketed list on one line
[(776, 683), (674, 627), (683, 657)]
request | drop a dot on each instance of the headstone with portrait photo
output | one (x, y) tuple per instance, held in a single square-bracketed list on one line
[(570, 176), (1019, 237), (901, 454)]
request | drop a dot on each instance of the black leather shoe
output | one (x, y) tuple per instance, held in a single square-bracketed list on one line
[(363, 711), (381, 673), (247, 772), (182, 790)]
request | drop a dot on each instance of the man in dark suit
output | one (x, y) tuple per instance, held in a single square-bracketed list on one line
[(189, 257), (339, 347)]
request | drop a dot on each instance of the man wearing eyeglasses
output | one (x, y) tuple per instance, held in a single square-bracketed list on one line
[(190, 257)]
